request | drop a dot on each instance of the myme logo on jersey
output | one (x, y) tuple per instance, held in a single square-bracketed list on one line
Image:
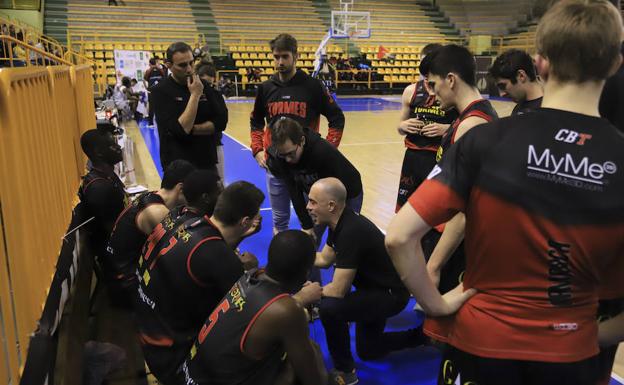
[(568, 169)]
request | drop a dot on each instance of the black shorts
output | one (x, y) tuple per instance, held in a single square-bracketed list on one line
[(607, 309), (416, 166), (471, 369), (452, 273)]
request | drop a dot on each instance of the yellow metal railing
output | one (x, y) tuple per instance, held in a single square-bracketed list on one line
[(43, 111)]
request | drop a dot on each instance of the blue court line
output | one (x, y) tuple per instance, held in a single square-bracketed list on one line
[(409, 367)]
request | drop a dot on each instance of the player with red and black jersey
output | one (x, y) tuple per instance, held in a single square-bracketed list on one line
[(451, 74), (423, 123), (133, 226), (289, 93), (102, 193), (258, 331), (544, 217), (186, 267)]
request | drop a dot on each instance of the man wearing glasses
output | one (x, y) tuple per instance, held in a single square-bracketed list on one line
[(188, 114), (514, 73), (300, 157)]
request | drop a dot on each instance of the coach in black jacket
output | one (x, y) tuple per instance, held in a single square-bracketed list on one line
[(301, 157), (188, 112)]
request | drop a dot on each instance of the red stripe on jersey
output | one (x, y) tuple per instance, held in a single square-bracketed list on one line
[(155, 341), (125, 210), (435, 202), (188, 260), (476, 114), (255, 317)]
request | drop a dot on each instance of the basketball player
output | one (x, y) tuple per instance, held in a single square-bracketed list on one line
[(133, 226), (542, 239), (355, 247), (185, 269), (420, 108), (452, 76), (101, 191), (257, 324), (294, 94), (514, 74)]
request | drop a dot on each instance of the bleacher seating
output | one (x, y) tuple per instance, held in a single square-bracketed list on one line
[(257, 22), (479, 17)]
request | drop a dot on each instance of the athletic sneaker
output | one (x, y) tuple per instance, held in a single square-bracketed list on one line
[(337, 377)]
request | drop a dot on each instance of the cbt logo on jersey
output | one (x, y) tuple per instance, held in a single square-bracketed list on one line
[(569, 136), (568, 169)]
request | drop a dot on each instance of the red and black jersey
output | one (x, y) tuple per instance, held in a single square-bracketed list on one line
[(104, 198), (303, 99), (542, 193), (126, 240), (480, 108), (425, 107), (184, 270), (218, 355)]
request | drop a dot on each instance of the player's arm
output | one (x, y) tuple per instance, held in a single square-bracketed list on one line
[(467, 124), (147, 74), (150, 217), (333, 113), (293, 332), (403, 242), (611, 331), (407, 125), (256, 124), (340, 284), (449, 241), (325, 258)]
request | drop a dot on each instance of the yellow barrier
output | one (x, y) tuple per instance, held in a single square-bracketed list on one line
[(9, 368), (42, 113)]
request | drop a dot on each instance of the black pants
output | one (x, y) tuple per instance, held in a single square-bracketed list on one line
[(150, 109), (369, 309), (417, 164), (476, 370)]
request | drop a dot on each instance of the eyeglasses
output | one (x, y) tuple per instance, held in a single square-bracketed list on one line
[(289, 154)]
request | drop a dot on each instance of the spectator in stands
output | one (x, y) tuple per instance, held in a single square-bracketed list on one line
[(102, 193), (19, 56), (207, 73), (188, 112), (516, 77), (227, 87), (154, 74), (4, 46)]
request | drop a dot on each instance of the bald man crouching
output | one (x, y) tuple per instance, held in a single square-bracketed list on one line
[(356, 247)]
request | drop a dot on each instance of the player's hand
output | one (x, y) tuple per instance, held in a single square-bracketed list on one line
[(248, 260), (310, 293), (260, 159), (456, 298), (434, 275), (434, 129), (411, 126), (195, 85), (311, 233)]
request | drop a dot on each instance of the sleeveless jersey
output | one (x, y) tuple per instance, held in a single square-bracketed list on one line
[(126, 241), (172, 305), (218, 355), (425, 107), (480, 108)]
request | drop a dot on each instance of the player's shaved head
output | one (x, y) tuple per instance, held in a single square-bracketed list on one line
[(333, 189)]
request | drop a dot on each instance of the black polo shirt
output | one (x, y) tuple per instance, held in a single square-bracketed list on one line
[(169, 101), (359, 244)]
